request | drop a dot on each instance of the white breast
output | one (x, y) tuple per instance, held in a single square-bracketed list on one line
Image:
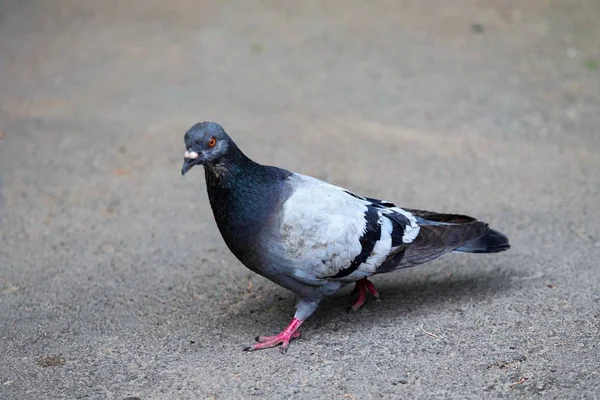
[(321, 226)]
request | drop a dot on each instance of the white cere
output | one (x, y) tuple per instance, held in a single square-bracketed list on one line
[(191, 155)]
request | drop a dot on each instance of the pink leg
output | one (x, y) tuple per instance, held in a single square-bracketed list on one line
[(283, 338), (372, 289), (361, 287), (362, 297)]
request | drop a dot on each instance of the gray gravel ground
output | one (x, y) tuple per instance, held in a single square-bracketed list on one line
[(115, 283)]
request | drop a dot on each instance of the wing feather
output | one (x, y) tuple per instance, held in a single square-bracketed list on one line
[(329, 233)]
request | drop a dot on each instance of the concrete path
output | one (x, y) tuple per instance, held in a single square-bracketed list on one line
[(115, 283)]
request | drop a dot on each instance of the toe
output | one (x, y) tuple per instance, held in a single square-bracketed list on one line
[(355, 307), (262, 345), (262, 339)]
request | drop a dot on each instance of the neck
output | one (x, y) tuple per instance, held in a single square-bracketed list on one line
[(242, 195), (228, 181), (228, 169), (234, 191)]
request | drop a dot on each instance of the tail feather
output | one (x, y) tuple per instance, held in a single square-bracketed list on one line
[(492, 242)]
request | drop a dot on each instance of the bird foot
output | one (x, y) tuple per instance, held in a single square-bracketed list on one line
[(282, 339), (361, 288), (265, 339)]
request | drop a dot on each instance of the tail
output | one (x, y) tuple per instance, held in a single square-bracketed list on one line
[(476, 236), (443, 233), (492, 242)]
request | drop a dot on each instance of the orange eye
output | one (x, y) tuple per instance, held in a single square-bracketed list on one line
[(211, 142)]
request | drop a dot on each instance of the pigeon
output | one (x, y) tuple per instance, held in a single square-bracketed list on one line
[(314, 238)]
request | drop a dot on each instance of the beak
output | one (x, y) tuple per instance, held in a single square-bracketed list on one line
[(190, 158)]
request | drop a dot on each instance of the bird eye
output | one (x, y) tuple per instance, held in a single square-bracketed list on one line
[(211, 142)]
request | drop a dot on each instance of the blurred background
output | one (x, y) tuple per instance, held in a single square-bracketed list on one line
[(115, 283)]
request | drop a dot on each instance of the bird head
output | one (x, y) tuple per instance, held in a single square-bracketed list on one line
[(206, 144)]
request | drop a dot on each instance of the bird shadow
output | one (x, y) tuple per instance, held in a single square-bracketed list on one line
[(419, 294), (404, 294)]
